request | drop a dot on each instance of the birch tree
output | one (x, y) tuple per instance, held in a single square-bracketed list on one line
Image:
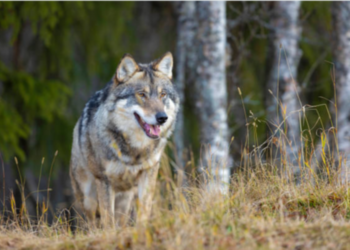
[(184, 60), (284, 55), (211, 92), (341, 59)]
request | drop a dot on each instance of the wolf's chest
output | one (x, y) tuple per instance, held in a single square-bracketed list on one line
[(124, 177)]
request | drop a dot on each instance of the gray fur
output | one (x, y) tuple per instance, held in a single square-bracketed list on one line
[(111, 153)]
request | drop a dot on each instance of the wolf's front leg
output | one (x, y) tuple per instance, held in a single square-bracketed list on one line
[(122, 207), (106, 197), (146, 188)]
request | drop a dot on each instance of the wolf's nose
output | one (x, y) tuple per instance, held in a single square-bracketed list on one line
[(161, 117)]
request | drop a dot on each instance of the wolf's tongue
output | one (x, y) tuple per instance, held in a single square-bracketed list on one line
[(152, 129), (155, 130), (147, 127)]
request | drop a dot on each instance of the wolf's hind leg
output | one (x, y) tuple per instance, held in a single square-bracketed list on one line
[(79, 197), (78, 194), (122, 207), (90, 198), (90, 205)]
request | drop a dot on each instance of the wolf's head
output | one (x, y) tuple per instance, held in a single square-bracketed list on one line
[(145, 101)]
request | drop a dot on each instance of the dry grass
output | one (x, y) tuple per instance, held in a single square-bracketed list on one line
[(265, 209), (262, 211)]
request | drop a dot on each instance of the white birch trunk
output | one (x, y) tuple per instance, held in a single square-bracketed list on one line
[(185, 38), (282, 78), (185, 35), (341, 59), (212, 94)]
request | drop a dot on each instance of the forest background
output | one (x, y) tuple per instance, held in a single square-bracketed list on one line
[(55, 55)]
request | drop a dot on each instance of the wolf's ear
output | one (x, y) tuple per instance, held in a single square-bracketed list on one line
[(165, 65), (126, 68)]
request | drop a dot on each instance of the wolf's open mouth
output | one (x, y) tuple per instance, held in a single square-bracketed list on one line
[(152, 131)]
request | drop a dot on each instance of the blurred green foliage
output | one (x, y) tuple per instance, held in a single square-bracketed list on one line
[(70, 43), (27, 99)]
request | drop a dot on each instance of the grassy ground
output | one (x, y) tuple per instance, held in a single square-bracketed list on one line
[(262, 211)]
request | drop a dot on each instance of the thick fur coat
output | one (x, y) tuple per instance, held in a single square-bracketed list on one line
[(120, 137)]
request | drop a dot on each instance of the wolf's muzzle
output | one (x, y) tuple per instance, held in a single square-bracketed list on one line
[(161, 117)]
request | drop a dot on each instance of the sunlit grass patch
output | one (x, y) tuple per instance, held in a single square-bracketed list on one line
[(262, 211)]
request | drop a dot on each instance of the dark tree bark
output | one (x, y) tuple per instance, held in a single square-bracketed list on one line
[(284, 54), (341, 59), (211, 92)]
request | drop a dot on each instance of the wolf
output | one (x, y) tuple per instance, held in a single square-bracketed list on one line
[(120, 137)]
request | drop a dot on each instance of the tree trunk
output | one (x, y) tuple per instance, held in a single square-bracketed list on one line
[(185, 35), (341, 59), (211, 93), (283, 106)]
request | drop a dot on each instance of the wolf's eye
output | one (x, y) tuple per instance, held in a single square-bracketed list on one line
[(143, 95), (162, 95)]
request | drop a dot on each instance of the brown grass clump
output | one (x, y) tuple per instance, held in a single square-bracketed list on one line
[(262, 211)]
